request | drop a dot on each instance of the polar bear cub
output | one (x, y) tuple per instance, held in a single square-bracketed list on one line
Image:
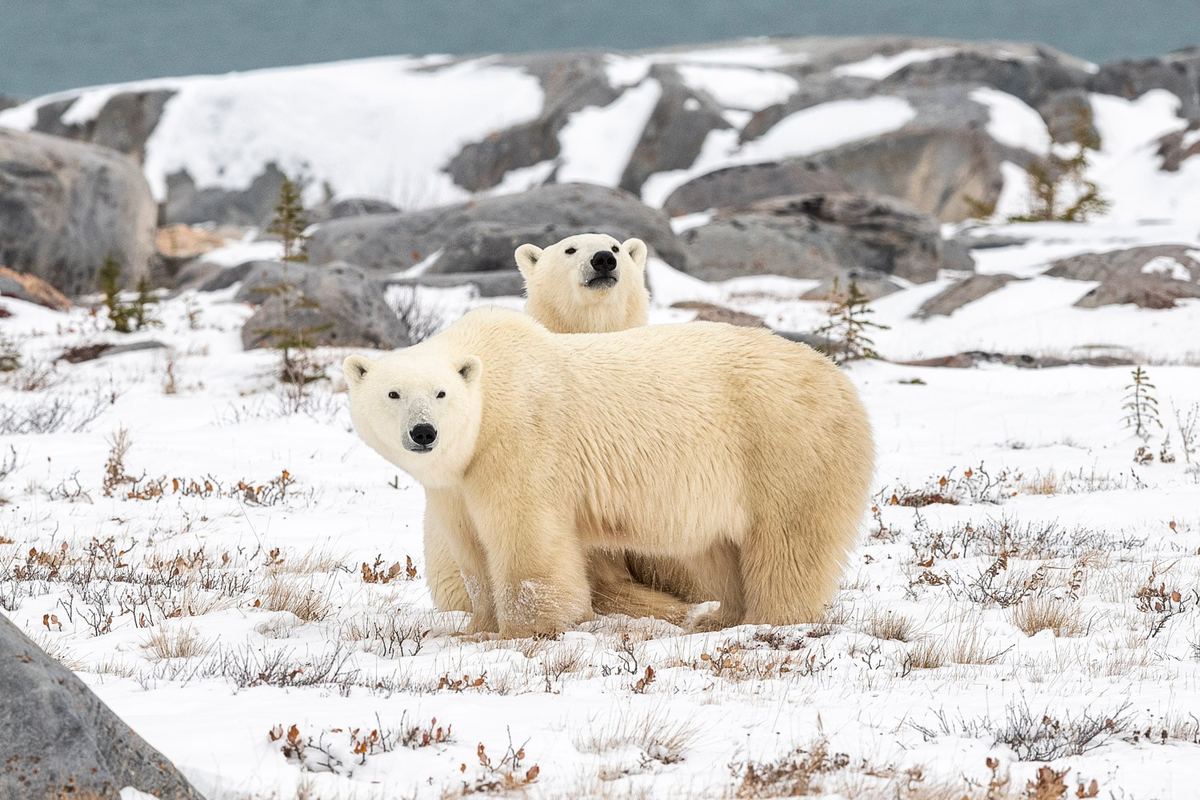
[(672, 440)]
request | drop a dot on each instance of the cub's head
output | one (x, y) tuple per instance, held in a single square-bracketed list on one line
[(583, 272), (418, 408)]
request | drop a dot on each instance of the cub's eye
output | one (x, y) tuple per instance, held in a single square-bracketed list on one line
[(616, 249), (570, 251), (441, 395), (394, 395)]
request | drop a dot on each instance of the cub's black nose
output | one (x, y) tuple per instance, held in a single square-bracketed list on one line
[(423, 434), (604, 262)]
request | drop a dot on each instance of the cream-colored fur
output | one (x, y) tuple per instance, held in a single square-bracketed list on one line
[(704, 442), (563, 295), (560, 287)]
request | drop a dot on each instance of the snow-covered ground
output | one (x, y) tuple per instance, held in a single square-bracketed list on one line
[(243, 583)]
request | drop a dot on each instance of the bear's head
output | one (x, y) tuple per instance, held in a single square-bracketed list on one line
[(584, 271), (419, 408)]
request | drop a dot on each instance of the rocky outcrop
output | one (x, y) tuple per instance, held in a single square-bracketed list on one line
[(60, 740), (711, 312), (500, 283), (735, 187), (1148, 277), (481, 236), (252, 206), (334, 305), (124, 122), (817, 236), (959, 294), (65, 206)]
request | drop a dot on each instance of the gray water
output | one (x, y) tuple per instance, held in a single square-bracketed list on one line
[(48, 45)]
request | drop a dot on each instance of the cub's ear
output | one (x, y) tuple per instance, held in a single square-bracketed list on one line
[(470, 367), (636, 249), (356, 368), (527, 256)]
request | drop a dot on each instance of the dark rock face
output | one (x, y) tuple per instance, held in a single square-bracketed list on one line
[(64, 206), (480, 236), (1178, 73), (1148, 277), (124, 123), (735, 187), (675, 132), (254, 205), (60, 739), (1030, 79), (817, 236), (347, 307), (570, 81), (961, 293)]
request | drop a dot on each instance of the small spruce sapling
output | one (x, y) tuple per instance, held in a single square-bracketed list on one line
[(125, 317), (292, 340), (1141, 406), (845, 332), (1058, 186)]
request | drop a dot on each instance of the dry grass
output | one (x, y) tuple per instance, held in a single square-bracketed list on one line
[(658, 736), (295, 597), (182, 642), (890, 626), (926, 654), (1043, 483), (1037, 614)]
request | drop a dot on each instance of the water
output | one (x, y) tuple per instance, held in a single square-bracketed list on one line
[(48, 45)]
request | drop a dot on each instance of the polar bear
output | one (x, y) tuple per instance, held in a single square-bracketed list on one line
[(589, 283), (671, 440)]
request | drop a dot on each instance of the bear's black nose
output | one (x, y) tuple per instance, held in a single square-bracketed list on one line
[(604, 262), (423, 434)]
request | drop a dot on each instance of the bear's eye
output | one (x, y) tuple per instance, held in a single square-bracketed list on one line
[(394, 395), (441, 395), (616, 249), (570, 251)]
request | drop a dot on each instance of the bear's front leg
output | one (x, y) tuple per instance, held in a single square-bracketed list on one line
[(469, 580), (539, 572)]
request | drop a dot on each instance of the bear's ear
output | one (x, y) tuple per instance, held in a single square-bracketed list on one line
[(356, 368), (470, 368), (527, 256), (636, 249)]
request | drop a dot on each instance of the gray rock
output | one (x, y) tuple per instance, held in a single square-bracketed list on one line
[(817, 236), (735, 187), (956, 256), (959, 294), (1122, 279), (342, 308), (675, 132), (1172, 149), (1178, 73), (1068, 116), (871, 285), (60, 740), (500, 283), (1031, 78), (64, 206), (710, 312), (31, 289), (259, 277), (473, 234), (570, 82), (124, 123), (987, 241), (350, 207), (254, 205)]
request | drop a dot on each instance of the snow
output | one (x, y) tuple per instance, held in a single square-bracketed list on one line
[(1050, 440), (383, 127), (235, 253), (1011, 122), (879, 66), (598, 142), (739, 87), (801, 133), (1165, 265)]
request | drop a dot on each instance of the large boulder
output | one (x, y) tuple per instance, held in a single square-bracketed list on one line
[(60, 740), (31, 289), (65, 206), (334, 305), (734, 187), (817, 236), (1149, 277), (252, 206), (960, 293), (482, 235), (124, 122)]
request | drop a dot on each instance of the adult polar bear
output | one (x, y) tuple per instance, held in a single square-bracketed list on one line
[(588, 283), (671, 440)]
